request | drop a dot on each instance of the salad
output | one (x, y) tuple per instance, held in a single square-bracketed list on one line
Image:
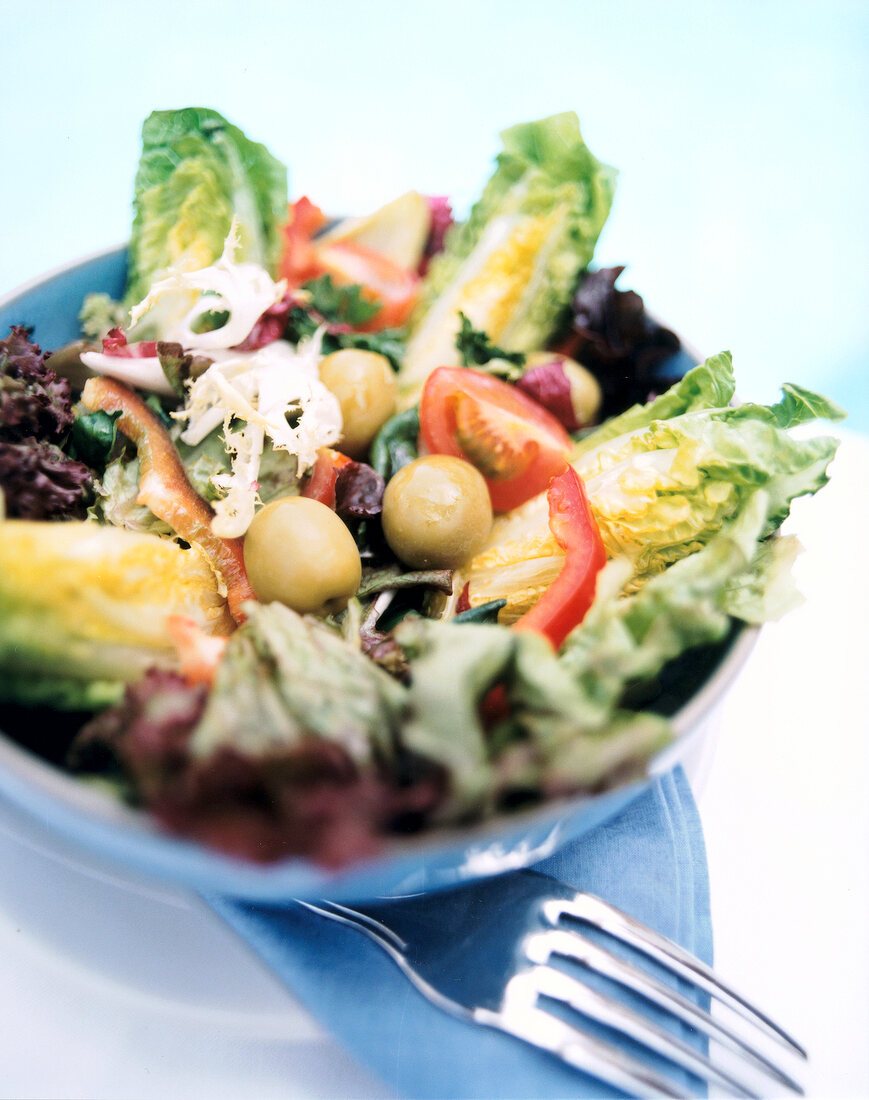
[(332, 530)]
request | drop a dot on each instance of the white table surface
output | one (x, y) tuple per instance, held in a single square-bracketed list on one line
[(739, 130)]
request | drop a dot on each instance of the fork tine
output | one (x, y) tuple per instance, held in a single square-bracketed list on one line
[(435, 940), (615, 1014), (575, 946), (523, 1020), (604, 1060), (595, 911)]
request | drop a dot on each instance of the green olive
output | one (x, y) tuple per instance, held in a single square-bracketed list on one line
[(299, 553), (364, 384), (436, 512)]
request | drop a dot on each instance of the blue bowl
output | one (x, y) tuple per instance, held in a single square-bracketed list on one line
[(85, 815)]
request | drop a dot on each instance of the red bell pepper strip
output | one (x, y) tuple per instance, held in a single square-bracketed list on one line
[(464, 603), (299, 261), (165, 488), (564, 604), (324, 476)]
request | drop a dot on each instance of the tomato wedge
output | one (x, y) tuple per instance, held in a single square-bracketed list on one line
[(390, 286), (512, 440), (565, 602), (394, 288)]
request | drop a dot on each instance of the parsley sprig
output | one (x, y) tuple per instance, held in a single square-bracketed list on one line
[(477, 350), (341, 309)]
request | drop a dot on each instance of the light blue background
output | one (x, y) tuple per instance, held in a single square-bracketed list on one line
[(739, 130)]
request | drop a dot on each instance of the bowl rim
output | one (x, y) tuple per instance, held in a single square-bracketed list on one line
[(82, 812), (8, 297)]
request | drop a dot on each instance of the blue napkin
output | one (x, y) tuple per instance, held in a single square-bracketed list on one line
[(649, 861)]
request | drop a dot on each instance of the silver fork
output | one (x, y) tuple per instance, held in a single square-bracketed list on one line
[(500, 953)]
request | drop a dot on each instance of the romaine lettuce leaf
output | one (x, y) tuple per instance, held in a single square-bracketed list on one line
[(675, 471), (661, 492), (556, 737), (512, 267), (84, 608), (707, 386), (569, 726), (285, 678), (195, 173), (625, 639), (766, 591)]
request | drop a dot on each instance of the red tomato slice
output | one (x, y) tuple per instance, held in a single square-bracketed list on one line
[(387, 284), (515, 443), (393, 287)]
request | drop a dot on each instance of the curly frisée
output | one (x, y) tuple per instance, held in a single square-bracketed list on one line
[(333, 533), (243, 291), (271, 393), (276, 394)]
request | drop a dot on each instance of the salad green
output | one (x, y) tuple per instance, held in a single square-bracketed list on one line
[(512, 267), (85, 608), (196, 173), (425, 695)]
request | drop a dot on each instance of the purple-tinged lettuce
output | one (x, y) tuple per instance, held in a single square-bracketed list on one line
[(34, 402), (37, 479), (615, 338)]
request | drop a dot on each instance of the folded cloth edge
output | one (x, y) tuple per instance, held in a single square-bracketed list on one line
[(649, 860)]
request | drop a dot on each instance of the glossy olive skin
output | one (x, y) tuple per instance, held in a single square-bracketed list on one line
[(436, 512), (299, 553), (364, 384)]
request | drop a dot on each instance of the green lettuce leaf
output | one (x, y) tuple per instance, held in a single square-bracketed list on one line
[(84, 608), (285, 677), (512, 267), (196, 172), (117, 491), (665, 487), (627, 641), (556, 737), (766, 591), (707, 386), (445, 725), (100, 313), (93, 437), (797, 406), (277, 475), (683, 467), (117, 503)]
